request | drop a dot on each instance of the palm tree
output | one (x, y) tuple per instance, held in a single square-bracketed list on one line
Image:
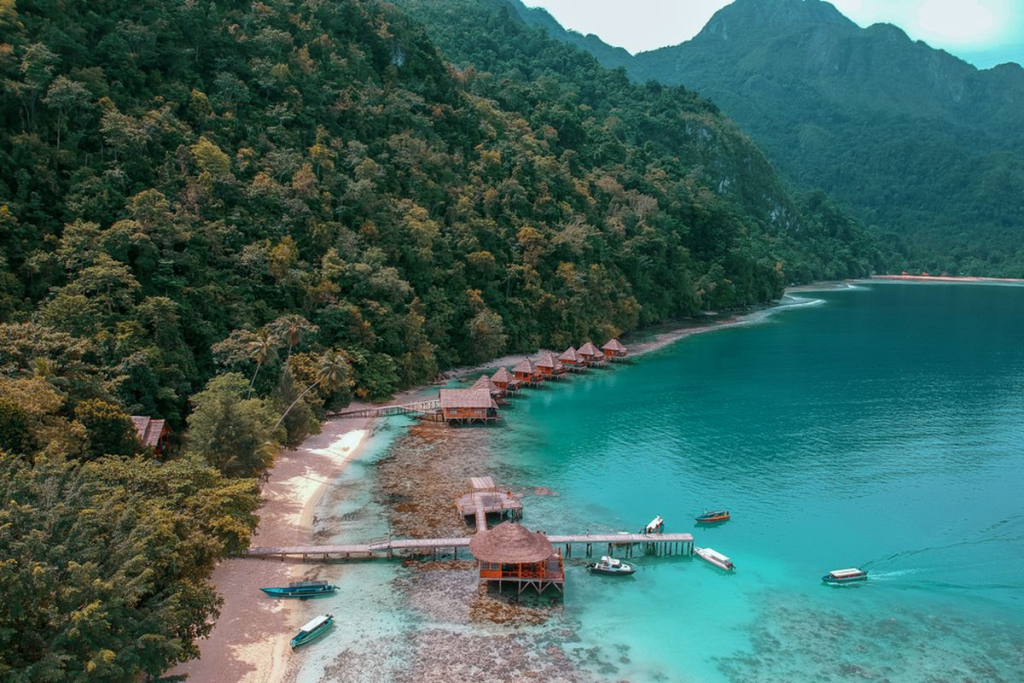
[(262, 348), (331, 374), (292, 327)]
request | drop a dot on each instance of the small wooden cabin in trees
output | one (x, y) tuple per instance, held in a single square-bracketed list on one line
[(614, 350), (549, 366), (461, 406), (154, 434)]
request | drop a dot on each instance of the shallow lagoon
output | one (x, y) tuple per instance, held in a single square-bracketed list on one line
[(883, 428)]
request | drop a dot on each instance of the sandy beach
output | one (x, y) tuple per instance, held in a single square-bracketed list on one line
[(250, 641)]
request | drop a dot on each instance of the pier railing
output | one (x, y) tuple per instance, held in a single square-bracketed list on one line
[(385, 411)]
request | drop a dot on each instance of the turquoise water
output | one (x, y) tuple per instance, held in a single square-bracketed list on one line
[(880, 427)]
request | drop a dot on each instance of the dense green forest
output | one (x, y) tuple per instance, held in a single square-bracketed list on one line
[(236, 216), (921, 144)]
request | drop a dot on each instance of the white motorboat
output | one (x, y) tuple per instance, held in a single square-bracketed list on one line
[(716, 558), (611, 567)]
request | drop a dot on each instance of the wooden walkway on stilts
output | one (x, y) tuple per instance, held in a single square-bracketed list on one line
[(384, 411), (627, 545)]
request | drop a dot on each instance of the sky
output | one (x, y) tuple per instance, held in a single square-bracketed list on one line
[(983, 32)]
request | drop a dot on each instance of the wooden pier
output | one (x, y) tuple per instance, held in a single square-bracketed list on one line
[(484, 499), (419, 408), (627, 545)]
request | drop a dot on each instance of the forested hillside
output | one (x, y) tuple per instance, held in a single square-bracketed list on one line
[(235, 215), (920, 143)]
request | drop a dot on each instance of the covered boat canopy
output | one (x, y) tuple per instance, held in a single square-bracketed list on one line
[(655, 524), (714, 554), (846, 573), (315, 623)]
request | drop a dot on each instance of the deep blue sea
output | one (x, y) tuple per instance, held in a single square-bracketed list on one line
[(880, 426)]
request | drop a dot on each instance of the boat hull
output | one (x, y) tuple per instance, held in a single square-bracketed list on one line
[(307, 638), (611, 572), (299, 593), (833, 581), (725, 565)]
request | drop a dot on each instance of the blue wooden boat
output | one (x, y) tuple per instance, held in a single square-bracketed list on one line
[(312, 630), (301, 589)]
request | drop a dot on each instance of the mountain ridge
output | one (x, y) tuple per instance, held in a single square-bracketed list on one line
[(919, 142)]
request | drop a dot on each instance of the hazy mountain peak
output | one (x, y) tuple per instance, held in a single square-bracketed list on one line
[(746, 16)]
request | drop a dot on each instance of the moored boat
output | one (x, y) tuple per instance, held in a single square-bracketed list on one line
[(609, 566), (843, 576), (710, 516), (301, 589), (312, 630), (656, 526), (716, 558)]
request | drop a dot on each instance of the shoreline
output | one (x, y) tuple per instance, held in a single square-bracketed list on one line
[(250, 639), (948, 279)]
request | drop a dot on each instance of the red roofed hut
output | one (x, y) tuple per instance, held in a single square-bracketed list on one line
[(549, 366), (154, 434), (511, 553), (503, 379), (614, 350), (591, 354), (527, 373), (463, 406), (572, 359)]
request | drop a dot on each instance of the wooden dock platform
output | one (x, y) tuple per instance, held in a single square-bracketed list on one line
[(626, 544), (484, 498)]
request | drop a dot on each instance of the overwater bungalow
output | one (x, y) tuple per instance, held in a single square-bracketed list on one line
[(572, 359), (503, 379), (527, 373), (484, 382), (466, 406), (591, 355), (155, 435), (614, 350), (511, 553), (550, 367)]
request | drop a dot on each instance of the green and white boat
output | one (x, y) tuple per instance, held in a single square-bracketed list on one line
[(312, 630)]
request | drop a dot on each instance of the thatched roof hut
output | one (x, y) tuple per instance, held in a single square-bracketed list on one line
[(588, 350), (549, 365), (571, 356), (525, 369), (467, 399), (510, 543), (484, 382), (502, 376), (614, 348)]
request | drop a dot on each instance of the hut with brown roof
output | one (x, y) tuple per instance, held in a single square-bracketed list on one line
[(511, 553), (464, 406), (591, 354), (549, 366), (614, 350), (527, 373), (572, 359), (154, 434), (503, 379), (484, 382)]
